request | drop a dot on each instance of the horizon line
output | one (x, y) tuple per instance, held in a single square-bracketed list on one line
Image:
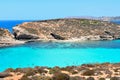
[(61, 18)]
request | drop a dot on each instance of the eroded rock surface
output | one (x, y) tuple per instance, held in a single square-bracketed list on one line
[(5, 35), (7, 39), (68, 29)]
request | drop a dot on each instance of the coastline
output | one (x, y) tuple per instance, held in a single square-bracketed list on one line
[(19, 42), (73, 40), (11, 43), (25, 33), (60, 30), (106, 71)]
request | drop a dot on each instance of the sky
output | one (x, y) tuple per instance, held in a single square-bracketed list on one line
[(49, 9)]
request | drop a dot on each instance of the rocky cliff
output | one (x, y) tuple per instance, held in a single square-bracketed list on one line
[(67, 29), (7, 39), (5, 35)]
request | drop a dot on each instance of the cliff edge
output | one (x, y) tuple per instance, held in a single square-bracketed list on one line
[(7, 39), (5, 35), (67, 29)]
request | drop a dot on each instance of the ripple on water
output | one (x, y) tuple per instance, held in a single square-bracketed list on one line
[(59, 54)]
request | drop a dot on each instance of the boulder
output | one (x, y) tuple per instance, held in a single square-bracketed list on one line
[(4, 74)]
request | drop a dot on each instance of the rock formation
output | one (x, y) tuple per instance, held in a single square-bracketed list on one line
[(5, 35), (67, 29), (72, 29), (7, 39)]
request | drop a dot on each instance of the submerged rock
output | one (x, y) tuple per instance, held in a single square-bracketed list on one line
[(67, 29)]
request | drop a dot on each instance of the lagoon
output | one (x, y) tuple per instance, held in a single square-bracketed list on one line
[(59, 54)]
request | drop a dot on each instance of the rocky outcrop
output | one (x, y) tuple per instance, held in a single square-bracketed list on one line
[(7, 39), (5, 35), (24, 34), (67, 29)]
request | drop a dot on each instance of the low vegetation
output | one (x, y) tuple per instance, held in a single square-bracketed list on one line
[(83, 72)]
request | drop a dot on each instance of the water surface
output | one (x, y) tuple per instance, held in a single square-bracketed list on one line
[(8, 24), (59, 54)]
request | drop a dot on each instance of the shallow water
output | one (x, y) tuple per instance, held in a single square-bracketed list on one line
[(59, 54)]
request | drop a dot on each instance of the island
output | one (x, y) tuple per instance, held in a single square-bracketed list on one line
[(62, 30), (68, 29)]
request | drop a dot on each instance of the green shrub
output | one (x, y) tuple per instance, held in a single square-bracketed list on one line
[(115, 78), (88, 65), (90, 78), (61, 76), (18, 70), (2, 32), (9, 70), (102, 79), (25, 78), (76, 78), (40, 78), (73, 72), (68, 68), (30, 73), (41, 71), (88, 73), (54, 70)]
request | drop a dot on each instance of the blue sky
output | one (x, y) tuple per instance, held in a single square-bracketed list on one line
[(47, 9)]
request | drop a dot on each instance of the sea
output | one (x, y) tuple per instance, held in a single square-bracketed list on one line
[(62, 54), (8, 24)]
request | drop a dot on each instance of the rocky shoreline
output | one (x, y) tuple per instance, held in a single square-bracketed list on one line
[(7, 39), (66, 30), (62, 30), (105, 71)]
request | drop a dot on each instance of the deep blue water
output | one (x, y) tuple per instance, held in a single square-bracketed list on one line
[(116, 21), (58, 54), (11, 23)]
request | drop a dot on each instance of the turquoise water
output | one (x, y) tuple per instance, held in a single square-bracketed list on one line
[(59, 54)]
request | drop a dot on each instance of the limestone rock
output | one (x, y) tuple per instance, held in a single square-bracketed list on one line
[(7, 39), (5, 35), (23, 34), (67, 29)]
